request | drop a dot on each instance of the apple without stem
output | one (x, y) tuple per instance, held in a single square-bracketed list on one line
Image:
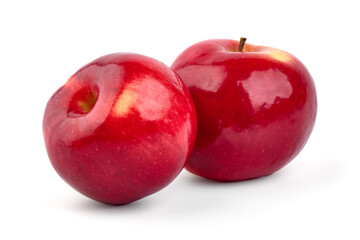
[(121, 128), (256, 108)]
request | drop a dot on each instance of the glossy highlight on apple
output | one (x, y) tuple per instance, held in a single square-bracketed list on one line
[(121, 128), (256, 108), (125, 125)]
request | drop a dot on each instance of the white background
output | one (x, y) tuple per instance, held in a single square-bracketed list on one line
[(316, 196)]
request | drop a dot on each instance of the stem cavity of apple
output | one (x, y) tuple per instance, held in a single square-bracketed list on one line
[(242, 44)]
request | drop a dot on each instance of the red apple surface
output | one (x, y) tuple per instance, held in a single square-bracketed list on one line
[(256, 108), (121, 128)]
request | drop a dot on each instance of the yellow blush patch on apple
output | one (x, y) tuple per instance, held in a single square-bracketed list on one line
[(124, 102), (146, 96), (279, 55)]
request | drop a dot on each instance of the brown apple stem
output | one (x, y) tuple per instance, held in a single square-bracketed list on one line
[(242, 44)]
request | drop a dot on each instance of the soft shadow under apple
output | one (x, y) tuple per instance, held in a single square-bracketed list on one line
[(192, 194)]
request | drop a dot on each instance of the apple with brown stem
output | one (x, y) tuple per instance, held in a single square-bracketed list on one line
[(256, 108)]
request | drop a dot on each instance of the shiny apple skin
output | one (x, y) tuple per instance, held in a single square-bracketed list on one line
[(256, 109), (134, 141)]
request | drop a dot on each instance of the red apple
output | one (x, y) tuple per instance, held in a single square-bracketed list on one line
[(121, 128), (256, 108)]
